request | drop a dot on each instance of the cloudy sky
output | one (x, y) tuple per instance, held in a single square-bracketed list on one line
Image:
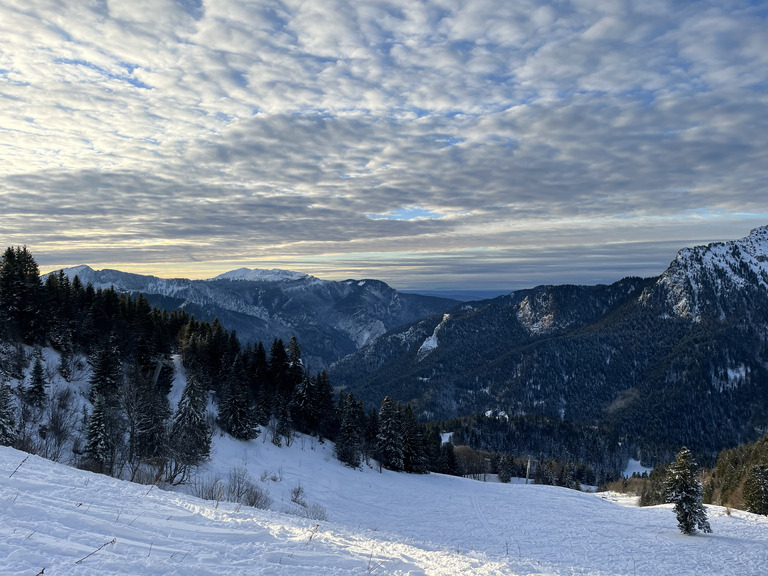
[(480, 143)]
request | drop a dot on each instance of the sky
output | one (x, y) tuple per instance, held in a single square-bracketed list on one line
[(429, 144)]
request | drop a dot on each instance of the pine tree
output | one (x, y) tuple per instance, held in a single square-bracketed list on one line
[(7, 416), (414, 460), (106, 375), (237, 416), (190, 434), (35, 394), (390, 437), (99, 445), (20, 295), (756, 490), (448, 463), (349, 440), (685, 491)]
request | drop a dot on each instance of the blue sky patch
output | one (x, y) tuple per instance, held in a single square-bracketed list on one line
[(408, 214)]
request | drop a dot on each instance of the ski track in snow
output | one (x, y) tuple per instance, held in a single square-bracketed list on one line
[(52, 516)]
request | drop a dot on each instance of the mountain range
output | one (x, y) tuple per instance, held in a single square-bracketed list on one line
[(677, 359), (330, 319), (681, 358)]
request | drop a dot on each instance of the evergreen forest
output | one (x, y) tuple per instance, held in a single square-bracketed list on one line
[(125, 424)]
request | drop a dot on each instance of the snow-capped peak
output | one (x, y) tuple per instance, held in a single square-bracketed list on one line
[(80, 271), (261, 275), (709, 279)]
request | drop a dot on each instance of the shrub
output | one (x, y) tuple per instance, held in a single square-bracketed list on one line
[(297, 496), (239, 488)]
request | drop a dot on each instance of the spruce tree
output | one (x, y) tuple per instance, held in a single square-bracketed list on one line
[(322, 399), (237, 416), (106, 375), (390, 437), (7, 416), (282, 423), (190, 434), (35, 394), (20, 295), (263, 408), (506, 468), (432, 442), (685, 491), (756, 490), (414, 460), (296, 368), (370, 434), (147, 408), (448, 463), (68, 360), (99, 444), (33, 397), (256, 375), (349, 439), (304, 410), (277, 370)]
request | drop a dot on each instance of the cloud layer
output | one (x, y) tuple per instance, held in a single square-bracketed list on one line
[(436, 143)]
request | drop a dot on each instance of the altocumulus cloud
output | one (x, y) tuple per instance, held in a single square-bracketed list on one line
[(427, 144)]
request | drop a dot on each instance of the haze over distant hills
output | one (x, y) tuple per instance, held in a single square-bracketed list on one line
[(463, 295)]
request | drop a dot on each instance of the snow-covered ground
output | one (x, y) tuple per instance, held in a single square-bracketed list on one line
[(634, 467), (68, 521)]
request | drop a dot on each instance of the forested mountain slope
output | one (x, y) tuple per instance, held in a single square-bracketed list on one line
[(330, 319), (678, 359)]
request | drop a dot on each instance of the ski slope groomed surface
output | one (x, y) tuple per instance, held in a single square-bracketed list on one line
[(67, 521)]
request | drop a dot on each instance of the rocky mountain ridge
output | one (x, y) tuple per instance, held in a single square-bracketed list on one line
[(681, 358), (677, 359), (329, 318), (717, 280)]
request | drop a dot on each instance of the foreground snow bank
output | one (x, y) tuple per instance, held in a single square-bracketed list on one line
[(67, 521), (72, 522)]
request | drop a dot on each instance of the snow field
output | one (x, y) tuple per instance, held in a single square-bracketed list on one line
[(68, 521), (53, 516)]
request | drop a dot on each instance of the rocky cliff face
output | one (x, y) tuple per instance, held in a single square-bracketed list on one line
[(719, 280)]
